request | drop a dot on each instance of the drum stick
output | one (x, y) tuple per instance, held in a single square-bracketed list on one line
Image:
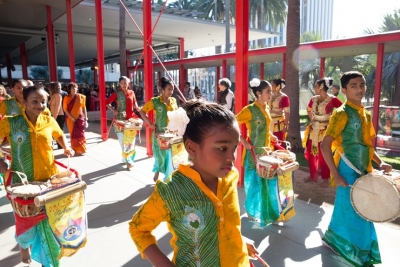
[(59, 193), (364, 190), (262, 261)]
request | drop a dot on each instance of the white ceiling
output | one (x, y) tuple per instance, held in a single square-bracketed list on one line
[(197, 33)]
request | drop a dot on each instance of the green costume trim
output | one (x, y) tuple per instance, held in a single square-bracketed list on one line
[(348, 251), (20, 141), (197, 239), (121, 105), (161, 114), (258, 126), (12, 107)]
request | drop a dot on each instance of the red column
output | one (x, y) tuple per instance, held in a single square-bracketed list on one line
[(71, 52), (182, 67), (262, 71), (242, 68), (217, 77), (128, 61), (51, 47), (24, 64), (100, 58), (148, 64), (224, 68), (377, 91), (322, 67), (284, 66), (9, 75)]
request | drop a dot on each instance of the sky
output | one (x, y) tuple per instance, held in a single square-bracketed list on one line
[(351, 17)]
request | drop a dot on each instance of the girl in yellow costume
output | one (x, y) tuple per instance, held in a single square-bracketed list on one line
[(262, 201), (161, 105), (200, 201), (30, 136)]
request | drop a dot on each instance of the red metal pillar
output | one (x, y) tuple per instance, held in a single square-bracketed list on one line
[(182, 67), (224, 70), (9, 75), (128, 62), (242, 69), (51, 47), (217, 77), (148, 64), (95, 68), (71, 52), (284, 66), (262, 71), (322, 67), (377, 91), (24, 64), (100, 58)]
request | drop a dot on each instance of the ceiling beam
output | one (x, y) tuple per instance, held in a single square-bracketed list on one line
[(22, 32)]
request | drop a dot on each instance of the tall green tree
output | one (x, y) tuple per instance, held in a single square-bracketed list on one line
[(292, 73), (42, 73), (391, 64)]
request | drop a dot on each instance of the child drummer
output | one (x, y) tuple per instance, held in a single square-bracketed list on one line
[(199, 201), (125, 105), (351, 132), (161, 105)]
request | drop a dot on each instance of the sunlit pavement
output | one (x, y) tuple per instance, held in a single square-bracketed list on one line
[(114, 195)]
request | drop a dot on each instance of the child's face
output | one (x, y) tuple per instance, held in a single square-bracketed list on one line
[(355, 90), (168, 91), (265, 95), (215, 157)]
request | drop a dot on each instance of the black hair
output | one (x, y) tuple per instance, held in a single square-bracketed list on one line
[(30, 89), (71, 85), (187, 83), (124, 78), (22, 81), (347, 76), (53, 87), (164, 82), (259, 88), (279, 82), (336, 86), (225, 82), (204, 117), (324, 81)]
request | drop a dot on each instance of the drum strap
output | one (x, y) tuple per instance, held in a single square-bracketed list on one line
[(348, 163)]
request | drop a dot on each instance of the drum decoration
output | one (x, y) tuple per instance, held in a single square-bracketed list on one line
[(163, 139), (22, 196), (6, 150), (376, 196), (266, 164), (285, 155)]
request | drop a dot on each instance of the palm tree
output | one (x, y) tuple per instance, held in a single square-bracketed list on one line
[(391, 64), (292, 73)]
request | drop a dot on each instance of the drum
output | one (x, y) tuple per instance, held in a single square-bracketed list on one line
[(22, 195), (163, 140), (288, 166), (285, 155), (376, 196), (63, 177), (133, 123), (267, 166)]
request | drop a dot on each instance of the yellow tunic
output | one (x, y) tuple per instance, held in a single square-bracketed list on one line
[(232, 249), (150, 105), (41, 135)]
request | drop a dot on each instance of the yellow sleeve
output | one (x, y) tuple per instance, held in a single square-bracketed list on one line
[(4, 128), (56, 130), (83, 101), (148, 106), (174, 106), (146, 219), (337, 122), (372, 131), (244, 116), (3, 108)]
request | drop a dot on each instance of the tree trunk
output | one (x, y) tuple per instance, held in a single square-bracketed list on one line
[(292, 72), (396, 95), (122, 43)]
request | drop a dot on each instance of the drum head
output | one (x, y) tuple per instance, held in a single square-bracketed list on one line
[(270, 160), (28, 190), (375, 198)]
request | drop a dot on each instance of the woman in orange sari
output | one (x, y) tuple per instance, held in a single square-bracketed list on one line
[(75, 108)]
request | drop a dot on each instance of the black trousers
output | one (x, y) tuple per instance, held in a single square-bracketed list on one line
[(61, 121)]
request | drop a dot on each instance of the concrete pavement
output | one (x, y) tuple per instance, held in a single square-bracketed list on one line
[(114, 194)]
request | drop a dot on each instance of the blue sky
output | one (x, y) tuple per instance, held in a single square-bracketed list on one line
[(351, 17)]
